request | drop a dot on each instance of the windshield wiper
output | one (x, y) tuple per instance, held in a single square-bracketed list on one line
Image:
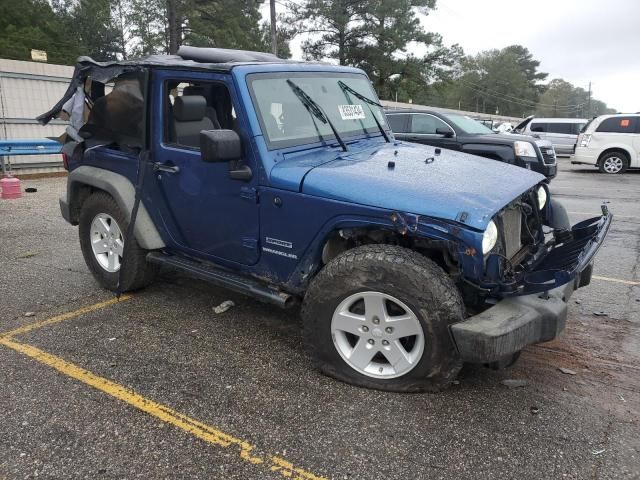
[(316, 110), (369, 102)]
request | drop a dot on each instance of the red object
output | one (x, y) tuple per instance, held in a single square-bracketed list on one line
[(65, 161), (10, 187)]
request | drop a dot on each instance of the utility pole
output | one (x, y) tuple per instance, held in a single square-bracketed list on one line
[(589, 102), (274, 38)]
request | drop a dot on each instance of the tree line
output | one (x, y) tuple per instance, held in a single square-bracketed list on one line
[(378, 36)]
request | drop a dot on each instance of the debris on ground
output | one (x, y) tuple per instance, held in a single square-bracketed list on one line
[(567, 371), (224, 306), (578, 302), (456, 382), (31, 190), (30, 314), (28, 255), (514, 383), (622, 398), (598, 451), (112, 339), (534, 410), (601, 314)]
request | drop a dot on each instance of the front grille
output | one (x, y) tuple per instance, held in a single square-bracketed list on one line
[(512, 231), (548, 155)]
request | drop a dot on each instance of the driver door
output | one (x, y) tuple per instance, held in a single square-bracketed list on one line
[(205, 212)]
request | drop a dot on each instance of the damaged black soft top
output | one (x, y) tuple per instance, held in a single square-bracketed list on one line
[(212, 59)]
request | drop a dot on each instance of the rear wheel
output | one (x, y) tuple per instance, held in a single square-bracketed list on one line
[(613, 162), (102, 228), (378, 316)]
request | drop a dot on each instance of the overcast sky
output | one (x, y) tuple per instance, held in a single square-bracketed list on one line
[(577, 40)]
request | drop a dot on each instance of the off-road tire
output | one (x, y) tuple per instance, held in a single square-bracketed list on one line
[(406, 275), (137, 272), (622, 155)]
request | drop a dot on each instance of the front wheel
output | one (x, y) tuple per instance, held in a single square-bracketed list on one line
[(102, 227), (378, 316)]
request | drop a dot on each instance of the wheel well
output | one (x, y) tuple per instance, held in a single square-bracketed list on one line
[(440, 251), (615, 149), (78, 193)]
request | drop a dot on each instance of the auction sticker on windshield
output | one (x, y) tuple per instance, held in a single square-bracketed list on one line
[(351, 112)]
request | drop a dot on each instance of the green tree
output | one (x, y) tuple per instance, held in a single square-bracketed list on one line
[(284, 33), (147, 24), (503, 81), (32, 24), (91, 25), (335, 28), (562, 99), (224, 24), (374, 35)]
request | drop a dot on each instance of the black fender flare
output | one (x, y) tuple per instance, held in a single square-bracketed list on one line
[(123, 192)]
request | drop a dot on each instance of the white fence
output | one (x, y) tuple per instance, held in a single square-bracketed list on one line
[(28, 89)]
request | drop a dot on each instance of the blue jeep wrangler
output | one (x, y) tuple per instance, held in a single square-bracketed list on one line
[(282, 180)]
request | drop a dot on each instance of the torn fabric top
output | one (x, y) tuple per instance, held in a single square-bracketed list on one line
[(191, 58)]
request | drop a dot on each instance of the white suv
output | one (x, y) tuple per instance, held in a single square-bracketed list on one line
[(611, 142)]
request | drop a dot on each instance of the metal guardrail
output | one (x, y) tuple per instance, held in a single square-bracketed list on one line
[(38, 146)]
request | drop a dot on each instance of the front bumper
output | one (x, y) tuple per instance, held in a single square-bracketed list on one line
[(513, 324)]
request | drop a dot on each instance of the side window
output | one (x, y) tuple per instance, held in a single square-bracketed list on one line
[(191, 107), (398, 122), (539, 127), (426, 124), (577, 128), (565, 128), (618, 125)]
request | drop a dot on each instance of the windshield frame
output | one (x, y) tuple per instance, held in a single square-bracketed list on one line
[(451, 120), (325, 139)]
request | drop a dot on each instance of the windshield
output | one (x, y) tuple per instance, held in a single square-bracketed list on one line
[(468, 124), (286, 121)]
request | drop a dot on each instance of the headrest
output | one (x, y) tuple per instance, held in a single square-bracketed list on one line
[(189, 108)]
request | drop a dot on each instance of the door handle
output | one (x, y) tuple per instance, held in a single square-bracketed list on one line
[(164, 167)]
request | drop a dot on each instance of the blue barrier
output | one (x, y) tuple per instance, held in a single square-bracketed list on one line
[(38, 146)]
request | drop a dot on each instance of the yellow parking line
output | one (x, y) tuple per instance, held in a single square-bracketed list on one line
[(198, 429), (63, 317), (615, 280)]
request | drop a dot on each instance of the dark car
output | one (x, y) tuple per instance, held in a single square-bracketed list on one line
[(459, 132), (281, 180)]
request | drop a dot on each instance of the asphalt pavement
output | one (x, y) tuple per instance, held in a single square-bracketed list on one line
[(157, 385)]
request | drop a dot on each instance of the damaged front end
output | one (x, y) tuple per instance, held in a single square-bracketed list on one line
[(538, 261), (532, 257)]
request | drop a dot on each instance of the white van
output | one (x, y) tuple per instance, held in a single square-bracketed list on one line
[(561, 132), (610, 142)]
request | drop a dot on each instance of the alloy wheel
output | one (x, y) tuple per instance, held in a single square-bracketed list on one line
[(612, 164), (107, 242), (377, 335)]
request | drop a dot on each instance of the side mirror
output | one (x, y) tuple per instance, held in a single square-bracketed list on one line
[(220, 145), (444, 131)]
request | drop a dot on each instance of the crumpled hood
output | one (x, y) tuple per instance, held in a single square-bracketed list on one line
[(451, 185)]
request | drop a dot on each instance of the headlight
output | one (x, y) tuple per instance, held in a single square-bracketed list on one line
[(489, 238), (524, 149), (542, 197)]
